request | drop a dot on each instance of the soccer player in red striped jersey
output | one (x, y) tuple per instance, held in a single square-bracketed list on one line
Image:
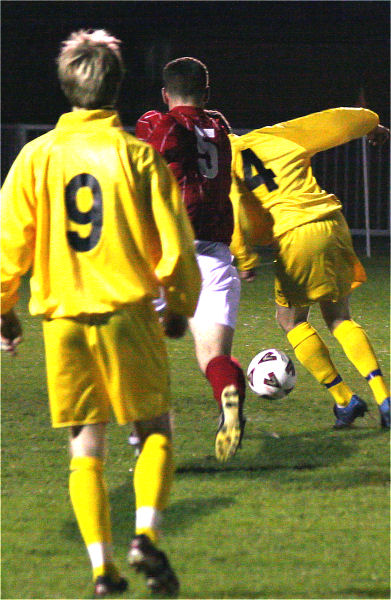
[(195, 144)]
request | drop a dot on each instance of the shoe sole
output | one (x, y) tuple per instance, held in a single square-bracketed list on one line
[(229, 435)]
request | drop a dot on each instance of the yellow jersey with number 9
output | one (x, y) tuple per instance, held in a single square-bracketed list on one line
[(99, 217), (274, 163)]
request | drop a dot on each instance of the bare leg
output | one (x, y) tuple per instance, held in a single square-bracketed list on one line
[(210, 340)]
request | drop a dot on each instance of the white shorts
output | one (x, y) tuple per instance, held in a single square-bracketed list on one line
[(220, 292)]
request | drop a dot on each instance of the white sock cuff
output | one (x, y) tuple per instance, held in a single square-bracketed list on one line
[(148, 516), (100, 554)]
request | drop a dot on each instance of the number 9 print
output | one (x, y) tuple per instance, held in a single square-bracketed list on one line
[(94, 216)]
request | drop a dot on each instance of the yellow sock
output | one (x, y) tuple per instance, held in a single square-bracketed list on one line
[(313, 354), (91, 506), (359, 351), (153, 476)]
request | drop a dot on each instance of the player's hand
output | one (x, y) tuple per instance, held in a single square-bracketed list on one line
[(174, 325), (11, 332), (247, 276), (378, 136)]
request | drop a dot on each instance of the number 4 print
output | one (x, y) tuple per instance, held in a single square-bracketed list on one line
[(264, 176)]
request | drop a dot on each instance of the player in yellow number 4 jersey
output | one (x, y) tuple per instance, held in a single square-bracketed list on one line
[(99, 217), (315, 260)]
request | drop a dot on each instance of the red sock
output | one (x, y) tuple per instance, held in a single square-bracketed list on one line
[(222, 371)]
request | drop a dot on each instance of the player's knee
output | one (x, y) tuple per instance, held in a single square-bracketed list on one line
[(284, 321), (290, 317), (159, 425), (88, 440)]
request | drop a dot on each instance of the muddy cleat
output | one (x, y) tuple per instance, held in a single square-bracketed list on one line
[(347, 414), (106, 586), (145, 558), (231, 426), (384, 410)]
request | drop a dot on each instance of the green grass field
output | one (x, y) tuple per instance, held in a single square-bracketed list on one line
[(302, 511)]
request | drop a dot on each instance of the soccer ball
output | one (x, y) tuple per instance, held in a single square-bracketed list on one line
[(271, 374)]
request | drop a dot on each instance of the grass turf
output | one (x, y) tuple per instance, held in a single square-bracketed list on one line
[(302, 511)]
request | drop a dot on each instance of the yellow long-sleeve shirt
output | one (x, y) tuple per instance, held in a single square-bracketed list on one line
[(274, 163), (99, 217)]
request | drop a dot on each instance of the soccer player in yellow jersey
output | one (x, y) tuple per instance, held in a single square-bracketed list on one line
[(315, 260), (99, 218)]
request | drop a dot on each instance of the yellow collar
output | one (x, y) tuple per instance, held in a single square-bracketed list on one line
[(100, 117)]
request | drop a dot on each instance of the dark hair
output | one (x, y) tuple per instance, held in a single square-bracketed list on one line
[(90, 69), (186, 77)]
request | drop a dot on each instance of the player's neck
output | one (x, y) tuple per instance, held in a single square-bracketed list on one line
[(180, 102)]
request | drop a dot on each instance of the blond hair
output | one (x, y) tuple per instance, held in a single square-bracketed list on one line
[(90, 68)]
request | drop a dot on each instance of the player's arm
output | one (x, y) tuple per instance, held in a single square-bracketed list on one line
[(166, 138), (326, 129), (246, 258), (253, 224), (146, 124), (177, 269), (17, 244)]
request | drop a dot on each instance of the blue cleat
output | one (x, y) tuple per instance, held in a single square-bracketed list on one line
[(347, 414), (384, 409)]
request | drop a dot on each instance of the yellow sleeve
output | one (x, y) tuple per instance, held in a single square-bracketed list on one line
[(326, 129), (18, 225), (240, 247), (177, 269), (253, 225)]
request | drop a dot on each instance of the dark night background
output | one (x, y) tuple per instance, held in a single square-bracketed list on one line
[(268, 61)]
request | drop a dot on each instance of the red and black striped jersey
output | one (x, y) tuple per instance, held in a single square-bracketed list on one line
[(198, 151)]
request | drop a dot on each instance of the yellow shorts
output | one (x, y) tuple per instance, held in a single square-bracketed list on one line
[(98, 362), (316, 261)]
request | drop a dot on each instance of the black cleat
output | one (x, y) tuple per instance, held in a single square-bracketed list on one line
[(105, 586), (231, 426), (145, 558)]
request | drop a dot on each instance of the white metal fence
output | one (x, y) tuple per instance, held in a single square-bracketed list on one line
[(359, 174)]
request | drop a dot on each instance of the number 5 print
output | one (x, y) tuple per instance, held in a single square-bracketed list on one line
[(207, 153)]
